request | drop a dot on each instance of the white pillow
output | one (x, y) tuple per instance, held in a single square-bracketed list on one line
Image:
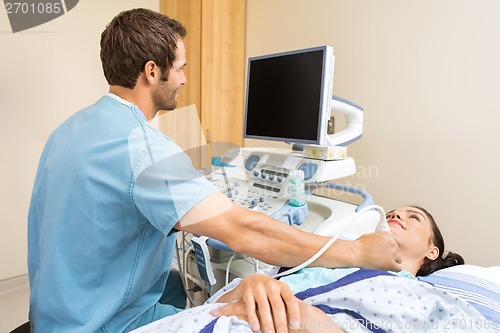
[(491, 274), (479, 286)]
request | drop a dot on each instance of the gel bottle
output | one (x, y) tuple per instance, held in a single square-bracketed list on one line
[(296, 188)]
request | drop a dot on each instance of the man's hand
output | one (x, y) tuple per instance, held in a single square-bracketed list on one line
[(378, 251), (267, 304)]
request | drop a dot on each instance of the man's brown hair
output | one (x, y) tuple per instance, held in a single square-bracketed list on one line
[(135, 37)]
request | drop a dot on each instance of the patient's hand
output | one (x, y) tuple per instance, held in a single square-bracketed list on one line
[(313, 319), (267, 304), (379, 251)]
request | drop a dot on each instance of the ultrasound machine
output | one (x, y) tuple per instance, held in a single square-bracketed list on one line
[(288, 99)]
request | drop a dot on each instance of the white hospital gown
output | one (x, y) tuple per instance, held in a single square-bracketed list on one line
[(357, 300)]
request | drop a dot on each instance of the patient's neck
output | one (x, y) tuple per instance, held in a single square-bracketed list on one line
[(411, 266)]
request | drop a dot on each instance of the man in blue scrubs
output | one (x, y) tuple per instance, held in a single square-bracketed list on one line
[(111, 191)]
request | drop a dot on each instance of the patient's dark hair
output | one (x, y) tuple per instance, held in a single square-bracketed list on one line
[(445, 259)]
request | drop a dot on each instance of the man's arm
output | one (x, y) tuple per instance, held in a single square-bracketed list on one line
[(276, 243), (268, 303)]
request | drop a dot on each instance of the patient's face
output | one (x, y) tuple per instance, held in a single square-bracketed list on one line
[(413, 232)]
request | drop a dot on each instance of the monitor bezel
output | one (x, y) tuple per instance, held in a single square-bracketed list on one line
[(324, 110)]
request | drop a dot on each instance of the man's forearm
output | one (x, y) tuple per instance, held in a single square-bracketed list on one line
[(273, 242)]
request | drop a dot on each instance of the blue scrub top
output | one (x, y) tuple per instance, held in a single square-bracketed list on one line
[(109, 189)]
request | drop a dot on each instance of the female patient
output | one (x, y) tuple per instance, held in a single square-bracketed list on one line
[(421, 246), (293, 308)]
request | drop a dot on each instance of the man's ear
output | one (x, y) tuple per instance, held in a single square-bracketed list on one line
[(150, 71), (433, 253)]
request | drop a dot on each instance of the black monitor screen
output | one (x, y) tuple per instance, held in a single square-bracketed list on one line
[(285, 94)]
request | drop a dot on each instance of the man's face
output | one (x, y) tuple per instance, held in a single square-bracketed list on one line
[(167, 91)]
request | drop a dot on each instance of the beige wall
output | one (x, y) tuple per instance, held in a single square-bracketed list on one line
[(46, 74), (427, 74)]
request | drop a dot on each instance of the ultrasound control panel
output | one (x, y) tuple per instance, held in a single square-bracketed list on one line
[(261, 200), (251, 198), (266, 186), (268, 172)]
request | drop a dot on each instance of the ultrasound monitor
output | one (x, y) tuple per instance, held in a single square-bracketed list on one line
[(289, 96)]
